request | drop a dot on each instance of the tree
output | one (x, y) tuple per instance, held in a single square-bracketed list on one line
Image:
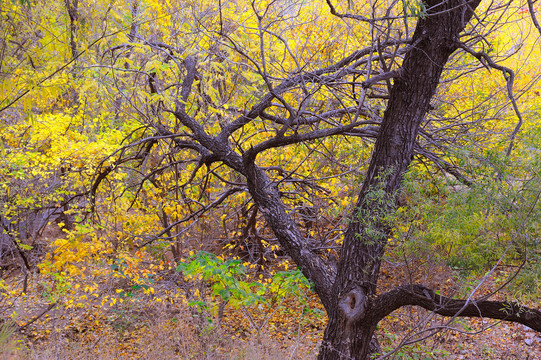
[(235, 92), (348, 289)]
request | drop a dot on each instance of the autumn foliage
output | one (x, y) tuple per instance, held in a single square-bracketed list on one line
[(119, 223)]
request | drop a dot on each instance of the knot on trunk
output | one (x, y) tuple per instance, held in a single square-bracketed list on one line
[(353, 304)]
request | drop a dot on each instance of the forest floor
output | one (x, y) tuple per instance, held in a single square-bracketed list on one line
[(291, 330)]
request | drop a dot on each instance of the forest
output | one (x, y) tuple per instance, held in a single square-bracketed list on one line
[(270, 179)]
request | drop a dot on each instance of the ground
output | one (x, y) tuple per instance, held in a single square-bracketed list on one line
[(290, 329)]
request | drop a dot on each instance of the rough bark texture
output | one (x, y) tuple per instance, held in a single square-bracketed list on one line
[(351, 326), (267, 198), (419, 295)]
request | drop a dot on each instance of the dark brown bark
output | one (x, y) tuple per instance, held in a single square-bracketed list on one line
[(72, 6), (351, 320), (267, 198), (419, 295)]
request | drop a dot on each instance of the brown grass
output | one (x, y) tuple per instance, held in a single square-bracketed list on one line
[(145, 330), (179, 337)]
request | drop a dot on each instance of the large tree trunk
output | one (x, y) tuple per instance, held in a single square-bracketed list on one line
[(352, 321)]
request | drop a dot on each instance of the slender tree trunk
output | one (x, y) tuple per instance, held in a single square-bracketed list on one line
[(351, 322), (72, 6)]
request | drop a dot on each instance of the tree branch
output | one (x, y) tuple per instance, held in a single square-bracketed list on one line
[(444, 165), (189, 62), (340, 69), (350, 16), (384, 76), (509, 76), (532, 15), (426, 298), (279, 141), (226, 194)]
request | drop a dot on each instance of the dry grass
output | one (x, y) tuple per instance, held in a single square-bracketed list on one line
[(156, 336), (146, 330), (182, 335)]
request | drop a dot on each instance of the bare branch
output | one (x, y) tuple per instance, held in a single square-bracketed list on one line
[(509, 76), (426, 298), (189, 62), (347, 16), (444, 165), (380, 77), (38, 316), (532, 14), (340, 69), (279, 141), (226, 194)]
